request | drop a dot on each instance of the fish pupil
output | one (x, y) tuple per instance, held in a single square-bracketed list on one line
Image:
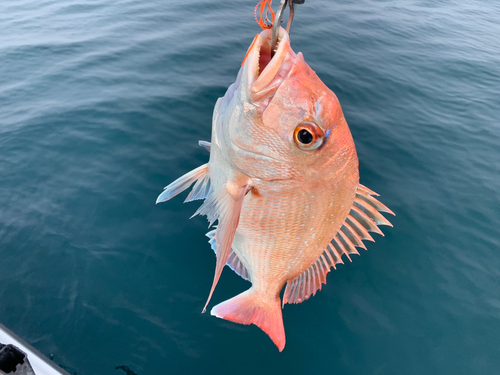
[(304, 136)]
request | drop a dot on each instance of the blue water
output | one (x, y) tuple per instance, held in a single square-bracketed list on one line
[(102, 104)]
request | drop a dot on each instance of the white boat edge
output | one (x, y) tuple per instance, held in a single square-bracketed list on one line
[(40, 364)]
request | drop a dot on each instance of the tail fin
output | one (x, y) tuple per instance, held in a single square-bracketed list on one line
[(249, 308)]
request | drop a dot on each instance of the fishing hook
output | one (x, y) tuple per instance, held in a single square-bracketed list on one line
[(279, 19)]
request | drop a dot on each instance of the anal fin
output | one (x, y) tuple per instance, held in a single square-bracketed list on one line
[(232, 261), (224, 205), (363, 217)]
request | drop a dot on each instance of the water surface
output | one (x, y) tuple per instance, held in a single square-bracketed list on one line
[(102, 104)]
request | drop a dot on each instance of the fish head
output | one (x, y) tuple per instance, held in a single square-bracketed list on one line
[(288, 125)]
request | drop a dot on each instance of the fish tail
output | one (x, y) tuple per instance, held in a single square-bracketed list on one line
[(250, 308)]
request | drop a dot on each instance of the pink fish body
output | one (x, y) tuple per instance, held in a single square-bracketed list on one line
[(283, 183)]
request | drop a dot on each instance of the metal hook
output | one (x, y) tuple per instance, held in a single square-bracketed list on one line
[(277, 23), (279, 18)]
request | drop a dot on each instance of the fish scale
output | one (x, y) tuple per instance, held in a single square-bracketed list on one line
[(272, 232), (283, 184)]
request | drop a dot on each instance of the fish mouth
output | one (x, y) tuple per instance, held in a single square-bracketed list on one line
[(261, 68)]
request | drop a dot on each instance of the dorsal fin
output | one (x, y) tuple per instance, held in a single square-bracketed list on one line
[(363, 217), (232, 261)]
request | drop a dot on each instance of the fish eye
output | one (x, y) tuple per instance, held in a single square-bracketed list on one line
[(308, 136)]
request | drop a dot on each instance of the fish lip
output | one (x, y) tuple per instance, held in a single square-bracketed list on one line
[(257, 81)]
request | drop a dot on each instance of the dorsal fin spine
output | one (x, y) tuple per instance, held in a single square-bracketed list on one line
[(368, 210), (326, 267), (375, 203), (319, 276), (293, 291), (340, 248), (286, 296), (352, 235), (293, 295), (328, 257), (313, 287), (363, 217), (304, 291), (364, 220), (308, 287), (330, 252), (336, 255), (312, 279), (364, 189), (324, 270), (348, 245), (300, 290), (315, 284), (360, 230), (316, 280)]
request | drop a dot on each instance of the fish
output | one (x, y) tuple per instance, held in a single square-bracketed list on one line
[(282, 182)]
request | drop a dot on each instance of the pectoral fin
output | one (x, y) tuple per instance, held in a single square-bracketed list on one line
[(224, 205)]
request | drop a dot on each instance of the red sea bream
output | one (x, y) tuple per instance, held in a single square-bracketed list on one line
[(282, 183)]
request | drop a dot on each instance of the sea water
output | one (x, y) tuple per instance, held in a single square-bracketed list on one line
[(102, 104)]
